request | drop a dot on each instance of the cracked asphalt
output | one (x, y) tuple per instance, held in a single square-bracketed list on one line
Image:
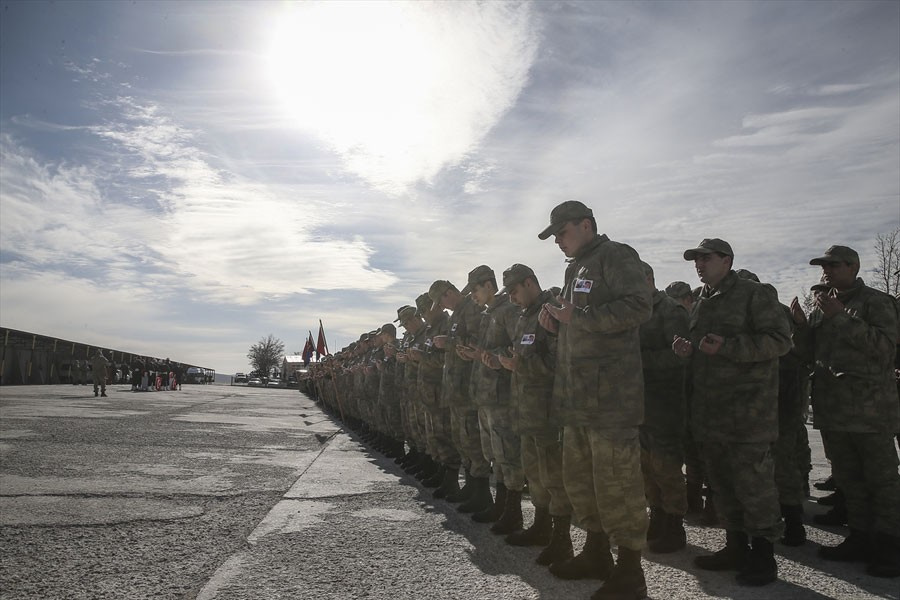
[(235, 493)]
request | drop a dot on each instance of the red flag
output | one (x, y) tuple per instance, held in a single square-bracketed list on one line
[(322, 345), (308, 350)]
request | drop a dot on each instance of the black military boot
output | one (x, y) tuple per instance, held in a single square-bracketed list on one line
[(884, 560), (400, 452), (673, 536), (449, 484), (794, 532), (854, 548), (593, 562), (826, 486), (480, 498), (538, 534), (657, 523), (627, 580), (436, 477), (560, 548), (511, 518), (760, 567), (429, 469), (463, 493), (411, 458), (729, 558), (492, 513)]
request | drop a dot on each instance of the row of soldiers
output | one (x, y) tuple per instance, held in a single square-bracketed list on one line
[(586, 393)]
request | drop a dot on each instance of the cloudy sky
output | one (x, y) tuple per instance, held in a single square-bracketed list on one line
[(181, 179)]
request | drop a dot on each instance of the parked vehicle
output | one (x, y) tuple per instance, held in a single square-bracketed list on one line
[(241, 378), (256, 382)]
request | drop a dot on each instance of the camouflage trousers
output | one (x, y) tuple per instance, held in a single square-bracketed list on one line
[(694, 470), (662, 458), (417, 419), (790, 473), (467, 439), (602, 477), (500, 444), (440, 439), (394, 421), (742, 477), (406, 423), (864, 466), (542, 464)]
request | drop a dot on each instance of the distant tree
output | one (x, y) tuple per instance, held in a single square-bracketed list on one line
[(887, 271), (807, 301), (266, 354)]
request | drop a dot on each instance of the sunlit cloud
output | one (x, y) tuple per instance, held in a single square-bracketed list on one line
[(401, 90)]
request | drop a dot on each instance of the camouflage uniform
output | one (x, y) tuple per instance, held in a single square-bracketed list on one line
[(490, 391), (532, 384), (598, 393), (734, 403), (437, 418), (463, 327), (855, 402), (662, 432)]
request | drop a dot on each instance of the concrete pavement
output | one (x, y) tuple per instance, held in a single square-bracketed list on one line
[(219, 492)]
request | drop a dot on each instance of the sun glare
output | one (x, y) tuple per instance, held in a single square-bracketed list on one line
[(356, 73)]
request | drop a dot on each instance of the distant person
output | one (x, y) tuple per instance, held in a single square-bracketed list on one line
[(99, 366)]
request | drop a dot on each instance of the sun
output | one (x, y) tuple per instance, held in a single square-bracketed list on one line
[(357, 73)]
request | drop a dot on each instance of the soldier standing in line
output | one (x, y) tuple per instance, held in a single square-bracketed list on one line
[(464, 322), (532, 362), (738, 331), (426, 467), (598, 397), (662, 433), (491, 394), (389, 392), (851, 338), (436, 416), (99, 365)]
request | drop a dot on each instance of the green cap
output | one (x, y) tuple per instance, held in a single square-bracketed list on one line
[(478, 275), (678, 290), (562, 214), (837, 254), (423, 303), (709, 246), (404, 312), (515, 275), (438, 288)]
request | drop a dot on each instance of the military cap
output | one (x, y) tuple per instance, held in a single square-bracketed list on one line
[(388, 328), (678, 290), (837, 254), (404, 312), (423, 303), (479, 274), (745, 274), (562, 214), (438, 288), (709, 246), (515, 275)]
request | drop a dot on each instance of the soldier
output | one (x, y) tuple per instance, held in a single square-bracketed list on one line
[(682, 293), (598, 397), (388, 392), (850, 336), (532, 362), (490, 390), (464, 322), (662, 433), (436, 417), (738, 331), (99, 364), (421, 463)]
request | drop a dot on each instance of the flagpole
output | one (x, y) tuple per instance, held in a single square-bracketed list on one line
[(324, 339)]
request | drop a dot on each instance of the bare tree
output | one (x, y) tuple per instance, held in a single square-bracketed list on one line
[(807, 301), (887, 271), (265, 354)]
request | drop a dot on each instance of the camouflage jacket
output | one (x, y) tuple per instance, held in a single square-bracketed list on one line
[(853, 354), (532, 381), (431, 364), (463, 328), (387, 380), (735, 392), (598, 367), (491, 387), (664, 372)]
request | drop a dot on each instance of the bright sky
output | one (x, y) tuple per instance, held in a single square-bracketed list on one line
[(183, 178)]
